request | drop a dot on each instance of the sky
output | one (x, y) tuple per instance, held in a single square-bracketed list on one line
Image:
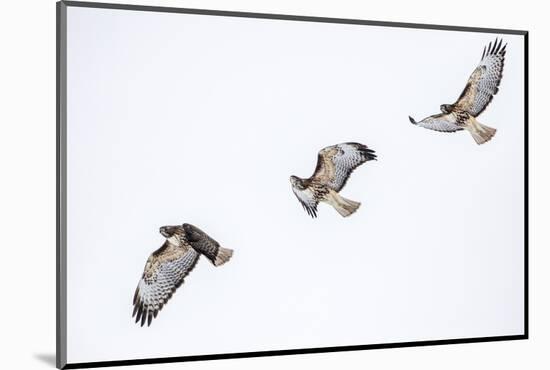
[(177, 118)]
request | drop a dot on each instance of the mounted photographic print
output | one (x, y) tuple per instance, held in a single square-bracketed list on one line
[(236, 184)]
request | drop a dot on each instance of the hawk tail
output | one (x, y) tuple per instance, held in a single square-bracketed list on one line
[(481, 133), (223, 255), (344, 206)]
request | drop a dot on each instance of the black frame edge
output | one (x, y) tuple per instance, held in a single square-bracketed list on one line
[(526, 186), (61, 201), (291, 352), (61, 333), (286, 17)]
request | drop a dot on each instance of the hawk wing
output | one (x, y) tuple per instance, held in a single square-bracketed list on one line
[(441, 122), (204, 244), (307, 199), (336, 163), (484, 81), (163, 274)]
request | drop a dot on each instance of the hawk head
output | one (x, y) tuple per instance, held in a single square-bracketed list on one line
[(446, 108), (297, 182), (174, 234)]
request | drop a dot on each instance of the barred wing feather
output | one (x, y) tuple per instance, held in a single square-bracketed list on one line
[(307, 200), (439, 122), (484, 81), (164, 273), (336, 163)]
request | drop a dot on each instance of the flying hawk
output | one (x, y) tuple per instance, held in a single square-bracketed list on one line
[(334, 166), (478, 93), (169, 265)]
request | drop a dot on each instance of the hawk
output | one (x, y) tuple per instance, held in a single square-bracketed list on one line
[(334, 166), (170, 264), (476, 96)]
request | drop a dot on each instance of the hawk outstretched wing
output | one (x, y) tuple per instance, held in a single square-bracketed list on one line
[(204, 244), (163, 274), (441, 122), (336, 163), (307, 199), (484, 81)]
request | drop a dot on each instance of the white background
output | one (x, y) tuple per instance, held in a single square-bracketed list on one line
[(183, 118), (29, 188)]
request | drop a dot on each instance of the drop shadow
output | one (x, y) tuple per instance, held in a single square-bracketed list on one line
[(47, 358)]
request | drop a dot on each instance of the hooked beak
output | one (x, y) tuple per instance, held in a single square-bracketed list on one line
[(164, 232)]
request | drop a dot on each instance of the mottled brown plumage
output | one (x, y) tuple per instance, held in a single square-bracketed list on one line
[(334, 166), (480, 89), (167, 267)]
